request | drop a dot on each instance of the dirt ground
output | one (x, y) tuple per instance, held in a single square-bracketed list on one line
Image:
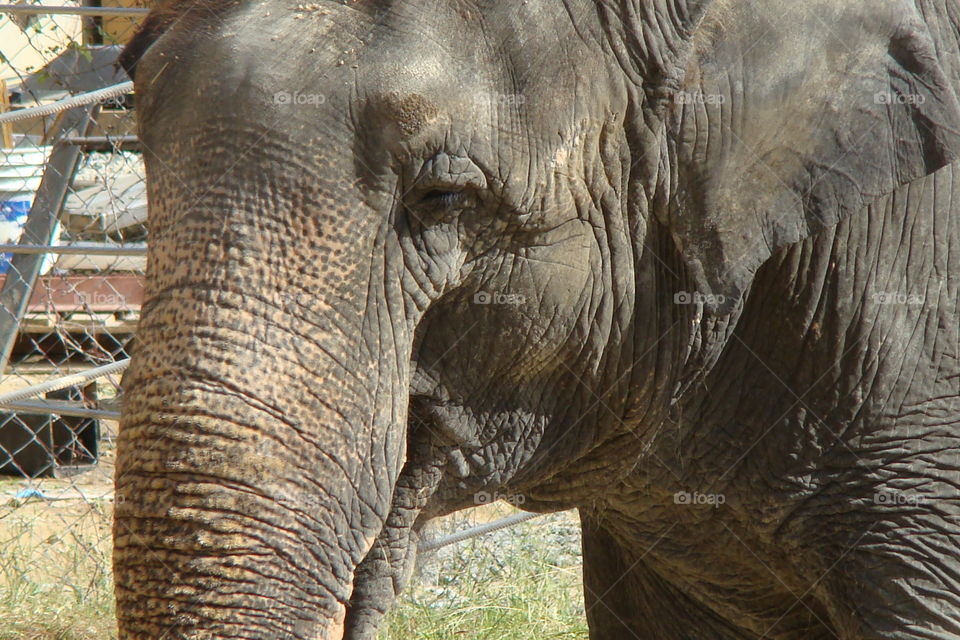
[(56, 531)]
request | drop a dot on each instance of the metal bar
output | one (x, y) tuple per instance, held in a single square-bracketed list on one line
[(106, 142), (432, 545), (60, 408), (7, 399), (91, 97), (40, 226), (29, 10), (73, 250)]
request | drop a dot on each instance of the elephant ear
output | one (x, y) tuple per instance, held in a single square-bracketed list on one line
[(789, 116), (153, 26)]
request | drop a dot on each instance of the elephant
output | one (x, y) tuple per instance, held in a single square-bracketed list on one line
[(690, 267)]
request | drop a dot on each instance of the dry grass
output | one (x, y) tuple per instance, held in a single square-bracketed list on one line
[(522, 583), (55, 571)]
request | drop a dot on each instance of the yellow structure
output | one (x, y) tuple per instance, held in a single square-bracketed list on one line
[(28, 44), (119, 30)]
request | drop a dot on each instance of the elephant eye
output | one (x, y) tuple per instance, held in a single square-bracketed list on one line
[(446, 184), (446, 201), (441, 198)]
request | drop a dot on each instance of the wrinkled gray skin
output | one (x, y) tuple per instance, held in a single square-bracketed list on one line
[(316, 376)]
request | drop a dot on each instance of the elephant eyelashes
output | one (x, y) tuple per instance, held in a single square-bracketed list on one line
[(440, 198), (445, 202), (448, 183)]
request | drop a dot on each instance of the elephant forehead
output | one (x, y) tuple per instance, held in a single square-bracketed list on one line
[(410, 112), (407, 93), (415, 78)]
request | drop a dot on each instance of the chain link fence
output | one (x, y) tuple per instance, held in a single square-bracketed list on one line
[(72, 257)]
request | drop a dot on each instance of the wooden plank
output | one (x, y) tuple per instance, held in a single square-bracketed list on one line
[(113, 324), (101, 263), (6, 129)]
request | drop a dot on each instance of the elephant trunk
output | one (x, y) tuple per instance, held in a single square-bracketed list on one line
[(264, 415)]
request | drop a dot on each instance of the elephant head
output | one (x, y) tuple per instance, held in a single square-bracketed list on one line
[(407, 256)]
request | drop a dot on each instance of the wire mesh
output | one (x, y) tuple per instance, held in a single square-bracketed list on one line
[(56, 471)]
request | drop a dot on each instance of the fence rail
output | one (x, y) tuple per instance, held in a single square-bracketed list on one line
[(74, 250), (66, 10)]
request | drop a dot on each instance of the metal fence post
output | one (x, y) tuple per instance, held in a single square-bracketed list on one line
[(40, 225)]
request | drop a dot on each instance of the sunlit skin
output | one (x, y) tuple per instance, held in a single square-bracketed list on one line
[(688, 266)]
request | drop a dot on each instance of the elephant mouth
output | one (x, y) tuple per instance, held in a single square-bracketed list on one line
[(421, 415), (441, 422), (382, 574)]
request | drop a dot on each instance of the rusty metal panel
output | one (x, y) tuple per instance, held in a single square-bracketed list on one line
[(93, 293)]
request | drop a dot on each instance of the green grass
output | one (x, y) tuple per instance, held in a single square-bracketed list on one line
[(522, 583)]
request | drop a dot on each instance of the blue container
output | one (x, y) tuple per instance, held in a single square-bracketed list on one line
[(21, 170), (13, 215)]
